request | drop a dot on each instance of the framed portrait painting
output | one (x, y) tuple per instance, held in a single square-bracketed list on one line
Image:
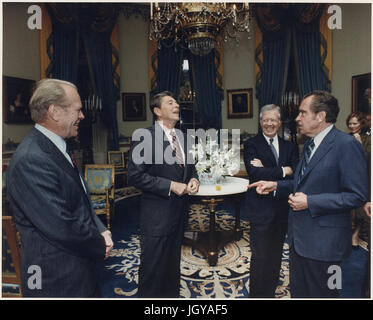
[(240, 103), (134, 106), (16, 97), (361, 85), (116, 158)]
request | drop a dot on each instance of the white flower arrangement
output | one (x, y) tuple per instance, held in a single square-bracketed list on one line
[(214, 159)]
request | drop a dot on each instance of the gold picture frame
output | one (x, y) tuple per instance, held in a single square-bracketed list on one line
[(116, 158), (240, 103), (134, 106), (359, 94), (16, 97)]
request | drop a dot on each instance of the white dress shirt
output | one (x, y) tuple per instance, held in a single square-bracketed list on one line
[(320, 137), (275, 144), (56, 139), (169, 133)]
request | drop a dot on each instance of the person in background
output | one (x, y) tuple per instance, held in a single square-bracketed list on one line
[(267, 157), (367, 206), (60, 233), (367, 124), (356, 125)]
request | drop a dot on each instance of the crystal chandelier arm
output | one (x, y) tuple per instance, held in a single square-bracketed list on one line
[(200, 24)]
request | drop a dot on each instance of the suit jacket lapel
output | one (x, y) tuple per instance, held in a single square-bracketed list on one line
[(183, 144), (159, 141), (299, 166), (49, 147), (324, 147)]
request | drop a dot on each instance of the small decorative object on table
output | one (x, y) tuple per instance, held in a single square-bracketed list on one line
[(214, 161)]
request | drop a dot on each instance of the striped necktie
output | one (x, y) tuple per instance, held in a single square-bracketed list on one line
[(177, 151), (306, 158)]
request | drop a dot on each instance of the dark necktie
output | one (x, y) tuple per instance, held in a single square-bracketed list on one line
[(177, 151), (76, 169), (306, 158), (273, 149), (71, 155)]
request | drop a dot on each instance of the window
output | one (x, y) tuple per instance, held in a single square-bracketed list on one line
[(189, 116)]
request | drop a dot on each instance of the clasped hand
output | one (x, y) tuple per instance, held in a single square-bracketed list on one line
[(298, 201), (182, 188)]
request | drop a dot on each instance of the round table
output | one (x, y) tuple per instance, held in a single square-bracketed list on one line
[(209, 243)]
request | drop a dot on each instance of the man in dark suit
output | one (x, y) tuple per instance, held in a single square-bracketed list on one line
[(61, 237), (158, 166), (328, 183), (267, 157)]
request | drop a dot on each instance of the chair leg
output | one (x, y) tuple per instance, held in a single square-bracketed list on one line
[(108, 219)]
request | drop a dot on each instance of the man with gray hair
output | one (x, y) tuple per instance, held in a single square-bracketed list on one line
[(330, 180), (267, 157), (61, 236)]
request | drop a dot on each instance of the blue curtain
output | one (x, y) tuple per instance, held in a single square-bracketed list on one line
[(282, 26), (309, 67), (94, 24), (96, 38), (169, 67), (275, 62), (208, 95), (65, 41)]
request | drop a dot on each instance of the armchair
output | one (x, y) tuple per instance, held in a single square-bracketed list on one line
[(100, 182), (119, 159), (11, 270)]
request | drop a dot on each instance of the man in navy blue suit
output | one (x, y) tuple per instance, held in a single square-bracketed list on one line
[(267, 157), (165, 186), (328, 183)]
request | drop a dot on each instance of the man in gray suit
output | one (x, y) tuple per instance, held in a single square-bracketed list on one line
[(61, 237)]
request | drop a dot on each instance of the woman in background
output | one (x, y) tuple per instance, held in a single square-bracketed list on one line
[(360, 222)]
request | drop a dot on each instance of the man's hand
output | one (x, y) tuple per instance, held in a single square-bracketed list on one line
[(193, 186), (288, 171), (366, 209), (298, 201), (108, 241), (256, 163), (178, 188), (263, 187)]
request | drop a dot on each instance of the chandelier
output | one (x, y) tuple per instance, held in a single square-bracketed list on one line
[(199, 24)]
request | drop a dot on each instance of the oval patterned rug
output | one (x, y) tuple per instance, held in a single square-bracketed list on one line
[(228, 279)]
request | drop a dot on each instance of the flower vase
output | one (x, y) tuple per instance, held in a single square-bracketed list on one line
[(207, 178), (221, 179)]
